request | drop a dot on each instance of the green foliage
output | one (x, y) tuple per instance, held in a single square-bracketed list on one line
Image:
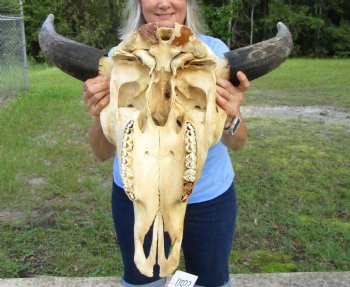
[(218, 18), (91, 22), (320, 28), (9, 7)]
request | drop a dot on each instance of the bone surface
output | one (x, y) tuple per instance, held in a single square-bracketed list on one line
[(163, 118)]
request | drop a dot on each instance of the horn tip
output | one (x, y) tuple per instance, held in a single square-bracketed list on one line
[(280, 25), (50, 18), (282, 29)]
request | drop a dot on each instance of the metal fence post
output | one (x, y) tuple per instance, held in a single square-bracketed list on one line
[(13, 54), (24, 50)]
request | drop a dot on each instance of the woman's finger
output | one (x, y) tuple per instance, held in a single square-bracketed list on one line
[(92, 88), (223, 93), (95, 98), (243, 81), (100, 105)]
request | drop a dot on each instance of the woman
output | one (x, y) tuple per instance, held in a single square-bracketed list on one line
[(211, 212)]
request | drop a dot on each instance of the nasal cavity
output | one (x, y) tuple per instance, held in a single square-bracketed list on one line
[(165, 33), (160, 103)]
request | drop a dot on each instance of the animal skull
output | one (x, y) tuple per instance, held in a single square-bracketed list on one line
[(163, 118)]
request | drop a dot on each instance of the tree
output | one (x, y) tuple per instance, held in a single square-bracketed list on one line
[(320, 28), (91, 22)]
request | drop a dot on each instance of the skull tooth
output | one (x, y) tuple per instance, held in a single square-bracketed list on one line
[(126, 160), (190, 164), (131, 196), (184, 197), (125, 156), (191, 147), (127, 172), (127, 147), (190, 139), (190, 158), (190, 175)]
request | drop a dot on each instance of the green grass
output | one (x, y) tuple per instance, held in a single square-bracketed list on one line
[(292, 180), (65, 227), (11, 81), (304, 82), (294, 195)]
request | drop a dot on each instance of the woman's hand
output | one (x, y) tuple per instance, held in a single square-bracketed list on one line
[(230, 97), (96, 94), (96, 97)]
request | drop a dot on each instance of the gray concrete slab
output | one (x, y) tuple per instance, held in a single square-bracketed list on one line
[(307, 279)]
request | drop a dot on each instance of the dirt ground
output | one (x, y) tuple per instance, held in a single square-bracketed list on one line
[(328, 115)]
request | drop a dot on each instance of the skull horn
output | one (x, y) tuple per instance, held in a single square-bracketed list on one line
[(81, 61), (76, 59), (258, 59)]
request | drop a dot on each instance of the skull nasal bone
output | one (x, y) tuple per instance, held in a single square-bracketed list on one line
[(160, 102)]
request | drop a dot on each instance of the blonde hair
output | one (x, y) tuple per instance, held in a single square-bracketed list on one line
[(133, 18)]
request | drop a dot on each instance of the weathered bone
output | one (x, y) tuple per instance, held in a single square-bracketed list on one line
[(81, 61), (163, 118)]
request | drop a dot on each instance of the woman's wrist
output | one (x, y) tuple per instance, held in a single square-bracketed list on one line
[(232, 128), (230, 119)]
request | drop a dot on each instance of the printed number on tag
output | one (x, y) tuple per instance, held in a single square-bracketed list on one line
[(182, 279)]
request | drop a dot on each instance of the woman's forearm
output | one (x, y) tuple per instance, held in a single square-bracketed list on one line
[(237, 140), (101, 147)]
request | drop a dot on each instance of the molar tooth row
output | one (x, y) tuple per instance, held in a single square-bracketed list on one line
[(191, 157), (126, 160)]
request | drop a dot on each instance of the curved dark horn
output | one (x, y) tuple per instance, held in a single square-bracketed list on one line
[(258, 59), (76, 59)]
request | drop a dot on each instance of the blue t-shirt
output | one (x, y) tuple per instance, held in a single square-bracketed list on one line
[(217, 174)]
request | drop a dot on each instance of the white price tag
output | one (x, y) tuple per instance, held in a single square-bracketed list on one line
[(182, 279)]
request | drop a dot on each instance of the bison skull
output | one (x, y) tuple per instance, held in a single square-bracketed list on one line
[(163, 118), (162, 115)]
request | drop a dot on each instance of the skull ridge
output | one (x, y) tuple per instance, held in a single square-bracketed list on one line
[(163, 118)]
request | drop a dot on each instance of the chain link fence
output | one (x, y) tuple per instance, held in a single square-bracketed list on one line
[(13, 57)]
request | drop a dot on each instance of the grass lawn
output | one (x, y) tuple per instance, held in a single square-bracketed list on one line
[(292, 180), (304, 82)]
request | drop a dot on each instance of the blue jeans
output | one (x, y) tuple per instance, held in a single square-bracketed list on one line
[(207, 240)]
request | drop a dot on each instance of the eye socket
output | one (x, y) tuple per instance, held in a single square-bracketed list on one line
[(191, 97), (201, 64), (126, 58)]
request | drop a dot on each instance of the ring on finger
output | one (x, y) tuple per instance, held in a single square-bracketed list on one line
[(227, 97)]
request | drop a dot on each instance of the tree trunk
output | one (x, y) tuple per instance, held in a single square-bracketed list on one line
[(229, 28), (252, 23)]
